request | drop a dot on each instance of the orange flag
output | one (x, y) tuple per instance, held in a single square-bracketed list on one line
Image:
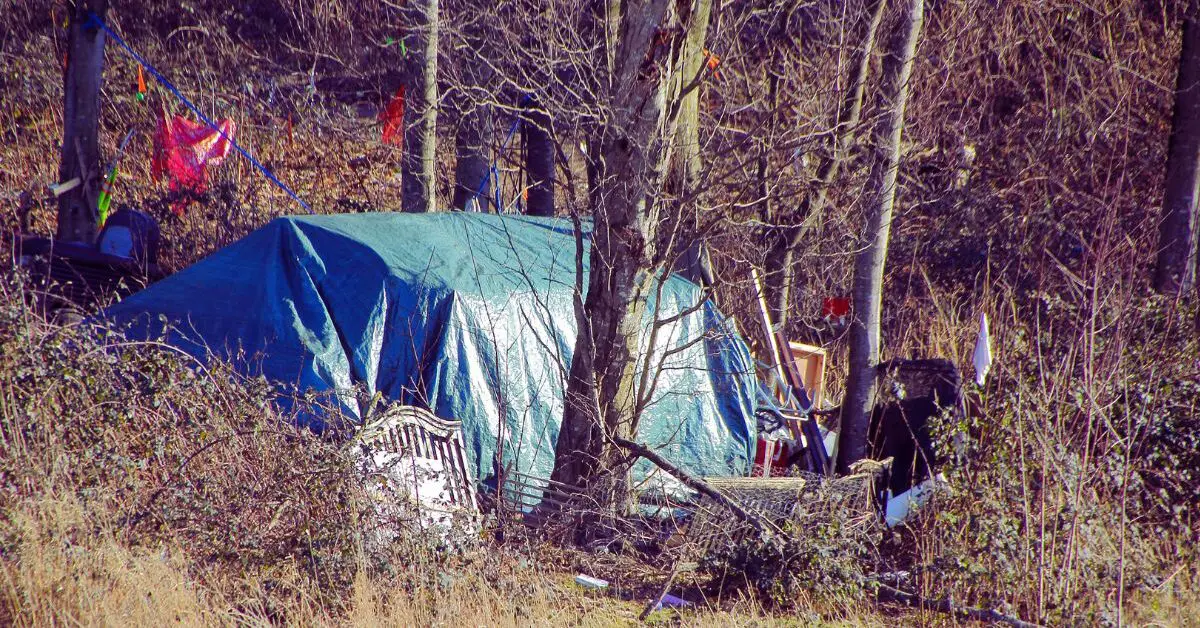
[(714, 62)]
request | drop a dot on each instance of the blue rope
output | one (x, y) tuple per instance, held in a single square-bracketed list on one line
[(497, 198), (483, 184), (95, 21), (494, 171)]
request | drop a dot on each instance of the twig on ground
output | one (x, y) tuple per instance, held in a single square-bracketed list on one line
[(662, 592), (948, 607)]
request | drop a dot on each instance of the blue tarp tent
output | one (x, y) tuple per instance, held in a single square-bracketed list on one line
[(470, 315)]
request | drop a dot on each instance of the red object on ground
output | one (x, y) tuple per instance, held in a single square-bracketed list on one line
[(183, 150), (393, 119), (772, 455), (835, 307)]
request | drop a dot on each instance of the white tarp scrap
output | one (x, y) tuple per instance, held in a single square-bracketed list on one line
[(983, 351)]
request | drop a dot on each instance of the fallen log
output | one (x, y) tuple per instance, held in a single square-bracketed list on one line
[(759, 524)]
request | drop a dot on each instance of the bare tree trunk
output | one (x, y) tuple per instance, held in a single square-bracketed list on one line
[(781, 258), (472, 183), (601, 396), (77, 216), (695, 264), (1175, 271), (474, 130), (869, 263), (537, 134), (419, 162)]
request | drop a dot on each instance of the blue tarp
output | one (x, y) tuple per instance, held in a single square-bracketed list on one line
[(470, 315)]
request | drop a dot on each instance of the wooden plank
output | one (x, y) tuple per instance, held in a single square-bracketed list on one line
[(460, 453), (768, 326), (811, 363)]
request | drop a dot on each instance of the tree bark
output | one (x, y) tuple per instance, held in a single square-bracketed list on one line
[(1175, 270), (77, 217), (695, 264), (419, 162), (536, 132), (475, 126), (781, 258), (872, 246), (601, 396), (472, 169)]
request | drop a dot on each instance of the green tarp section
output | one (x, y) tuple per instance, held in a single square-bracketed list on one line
[(469, 315)]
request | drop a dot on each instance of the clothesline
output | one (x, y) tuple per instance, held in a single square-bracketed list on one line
[(95, 21)]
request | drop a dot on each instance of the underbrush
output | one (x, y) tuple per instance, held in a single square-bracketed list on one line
[(108, 444), (139, 485), (1073, 485)]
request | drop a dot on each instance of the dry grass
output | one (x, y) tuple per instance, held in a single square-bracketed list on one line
[(59, 576), (62, 568), (62, 575)]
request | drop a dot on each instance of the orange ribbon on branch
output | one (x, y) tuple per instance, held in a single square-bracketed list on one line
[(713, 62)]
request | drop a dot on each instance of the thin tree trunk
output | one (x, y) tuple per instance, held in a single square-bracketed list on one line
[(1175, 271), (869, 263), (419, 162), (77, 218), (472, 183), (766, 209), (695, 264), (536, 132), (780, 260)]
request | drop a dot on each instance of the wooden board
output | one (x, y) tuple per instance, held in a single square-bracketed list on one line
[(809, 362)]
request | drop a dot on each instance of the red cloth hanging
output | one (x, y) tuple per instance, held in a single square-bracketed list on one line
[(713, 62), (835, 308), (183, 150), (393, 119)]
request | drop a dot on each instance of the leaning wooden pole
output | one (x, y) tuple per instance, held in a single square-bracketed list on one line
[(80, 157), (873, 245), (759, 524)]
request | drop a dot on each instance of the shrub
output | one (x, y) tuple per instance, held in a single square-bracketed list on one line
[(170, 451)]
